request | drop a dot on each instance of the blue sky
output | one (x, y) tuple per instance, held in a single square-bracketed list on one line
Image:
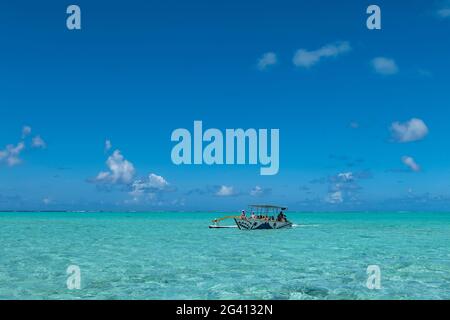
[(363, 115)]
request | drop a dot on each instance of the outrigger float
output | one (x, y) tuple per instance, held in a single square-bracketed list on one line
[(263, 217)]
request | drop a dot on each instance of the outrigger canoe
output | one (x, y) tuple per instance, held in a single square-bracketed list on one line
[(263, 217)]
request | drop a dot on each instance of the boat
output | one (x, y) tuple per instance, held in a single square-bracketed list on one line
[(263, 217), (216, 224)]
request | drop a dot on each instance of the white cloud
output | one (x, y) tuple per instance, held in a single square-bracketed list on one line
[(225, 191), (444, 13), (46, 200), (268, 59), (443, 9), (411, 163), (258, 191), (120, 170), (384, 66), (412, 130), (26, 130), (156, 181), (151, 186), (153, 182), (306, 59), (11, 154), (108, 145), (121, 173), (102, 176), (38, 142), (344, 187), (346, 176), (334, 197)]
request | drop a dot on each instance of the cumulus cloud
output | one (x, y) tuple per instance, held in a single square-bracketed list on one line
[(121, 171), (268, 59), (121, 176), (11, 154), (346, 176), (411, 163), (344, 186), (108, 145), (258, 191), (150, 186), (384, 66), (38, 142), (444, 13), (443, 10), (334, 197), (26, 130), (157, 182), (215, 190), (412, 130), (306, 59), (225, 191)]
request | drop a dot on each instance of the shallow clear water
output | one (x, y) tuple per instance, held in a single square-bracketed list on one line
[(176, 256)]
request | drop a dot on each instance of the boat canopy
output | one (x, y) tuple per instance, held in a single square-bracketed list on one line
[(265, 208)]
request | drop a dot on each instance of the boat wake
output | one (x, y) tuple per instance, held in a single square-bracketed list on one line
[(305, 225), (222, 227)]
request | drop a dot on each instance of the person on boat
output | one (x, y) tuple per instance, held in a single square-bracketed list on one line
[(253, 215), (243, 215), (281, 217)]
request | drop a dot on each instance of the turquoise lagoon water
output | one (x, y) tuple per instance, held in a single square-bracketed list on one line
[(176, 256)]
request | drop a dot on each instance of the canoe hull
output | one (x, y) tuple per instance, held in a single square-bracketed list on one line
[(257, 224)]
